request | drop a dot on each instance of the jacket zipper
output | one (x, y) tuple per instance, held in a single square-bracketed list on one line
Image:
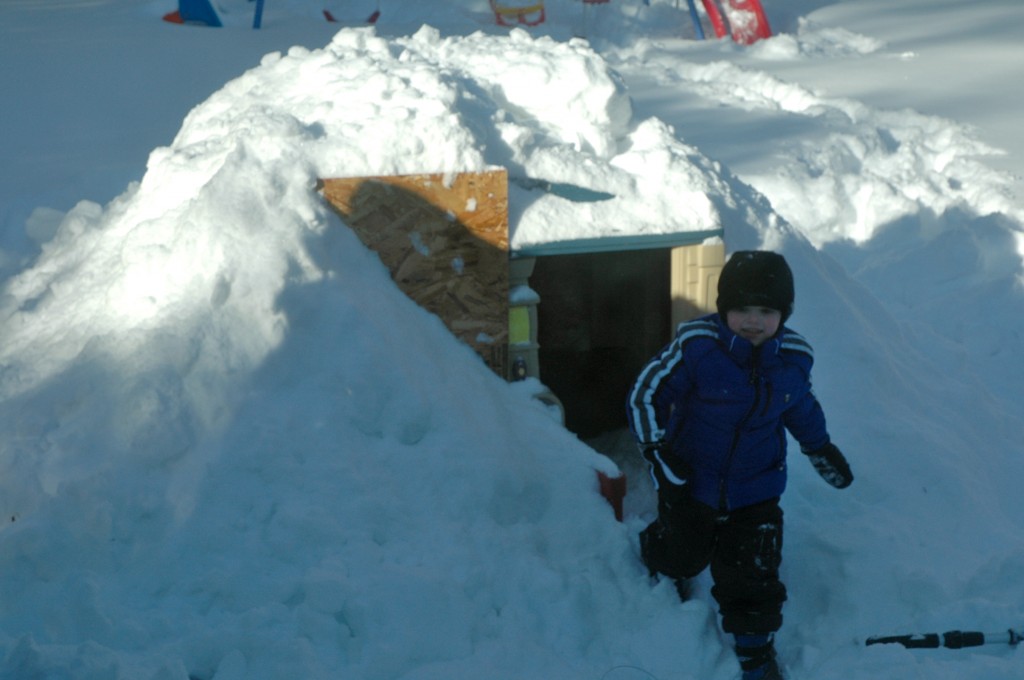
[(755, 373)]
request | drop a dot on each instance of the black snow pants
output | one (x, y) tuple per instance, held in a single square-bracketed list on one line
[(743, 548)]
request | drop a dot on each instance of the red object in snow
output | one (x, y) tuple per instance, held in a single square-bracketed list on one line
[(717, 22), (174, 17), (614, 490), (747, 20)]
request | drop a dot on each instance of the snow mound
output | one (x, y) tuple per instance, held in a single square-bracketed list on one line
[(212, 373)]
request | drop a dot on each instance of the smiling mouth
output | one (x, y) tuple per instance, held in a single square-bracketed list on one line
[(755, 336)]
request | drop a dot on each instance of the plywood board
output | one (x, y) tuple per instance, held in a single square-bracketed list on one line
[(444, 237)]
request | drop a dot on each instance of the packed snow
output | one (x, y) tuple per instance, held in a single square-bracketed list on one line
[(233, 449)]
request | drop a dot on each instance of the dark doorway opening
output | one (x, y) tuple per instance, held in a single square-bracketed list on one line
[(601, 317)]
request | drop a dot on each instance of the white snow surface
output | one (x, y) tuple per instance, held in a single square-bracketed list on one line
[(232, 449)]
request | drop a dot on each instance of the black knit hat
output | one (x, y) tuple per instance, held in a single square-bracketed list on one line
[(756, 278)]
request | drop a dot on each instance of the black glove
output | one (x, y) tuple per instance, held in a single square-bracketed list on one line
[(664, 467), (831, 465), (668, 474)]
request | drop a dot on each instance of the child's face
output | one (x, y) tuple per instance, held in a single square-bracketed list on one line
[(756, 324)]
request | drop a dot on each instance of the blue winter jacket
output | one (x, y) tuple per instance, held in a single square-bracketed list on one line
[(722, 407)]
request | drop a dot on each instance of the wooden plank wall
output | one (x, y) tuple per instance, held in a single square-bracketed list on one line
[(444, 237)]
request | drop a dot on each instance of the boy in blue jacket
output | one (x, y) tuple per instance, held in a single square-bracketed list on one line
[(710, 413)]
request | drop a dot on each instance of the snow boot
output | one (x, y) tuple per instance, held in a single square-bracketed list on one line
[(756, 652)]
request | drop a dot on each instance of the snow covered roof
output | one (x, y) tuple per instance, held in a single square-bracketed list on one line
[(603, 244)]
